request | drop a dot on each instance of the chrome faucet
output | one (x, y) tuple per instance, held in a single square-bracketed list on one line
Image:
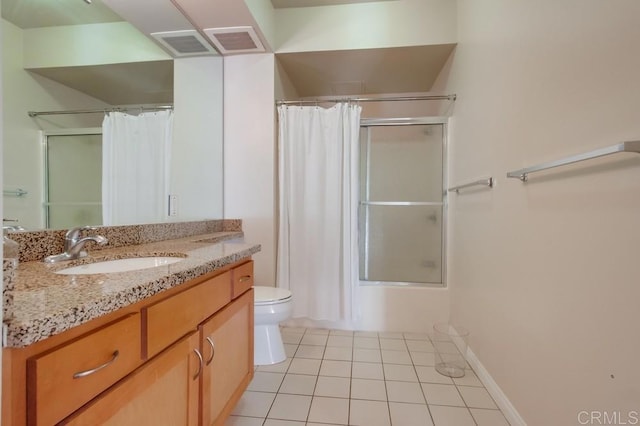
[(73, 244)]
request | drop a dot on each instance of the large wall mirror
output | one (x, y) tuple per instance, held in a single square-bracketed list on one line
[(74, 56)]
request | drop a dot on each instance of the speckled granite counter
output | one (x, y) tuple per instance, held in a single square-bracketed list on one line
[(45, 303)]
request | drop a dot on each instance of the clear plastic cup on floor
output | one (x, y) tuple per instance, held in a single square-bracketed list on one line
[(450, 343)]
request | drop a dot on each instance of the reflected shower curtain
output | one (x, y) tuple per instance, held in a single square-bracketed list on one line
[(318, 190), (136, 152)]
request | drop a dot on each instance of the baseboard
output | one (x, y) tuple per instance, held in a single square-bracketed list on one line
[(494, 390)]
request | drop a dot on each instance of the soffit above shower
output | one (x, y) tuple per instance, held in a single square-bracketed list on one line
[(365, 71), (148, 82), (282, 4)]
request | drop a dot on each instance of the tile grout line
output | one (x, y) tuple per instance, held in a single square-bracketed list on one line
[(277, 393), (385, 378), (353, 350), (422, 389)]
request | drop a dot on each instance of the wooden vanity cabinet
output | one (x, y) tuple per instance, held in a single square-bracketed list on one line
[(198, 380), (227, 345), (186, 359)]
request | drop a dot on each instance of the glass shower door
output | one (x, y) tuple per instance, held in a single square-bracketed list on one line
[(401, 203), (73, 174)]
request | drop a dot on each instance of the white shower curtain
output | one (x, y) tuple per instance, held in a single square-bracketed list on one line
[(136, 153), (318, 196)]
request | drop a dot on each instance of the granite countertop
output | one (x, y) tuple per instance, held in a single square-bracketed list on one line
[(45, 303)]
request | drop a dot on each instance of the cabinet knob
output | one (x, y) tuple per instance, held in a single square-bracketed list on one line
[(200, 362), (244, 278), (86, 373)]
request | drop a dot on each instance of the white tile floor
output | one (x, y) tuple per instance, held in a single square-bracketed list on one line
[(334, 377)]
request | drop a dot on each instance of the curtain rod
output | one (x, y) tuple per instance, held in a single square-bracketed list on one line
[(401, 98), (102, 110)]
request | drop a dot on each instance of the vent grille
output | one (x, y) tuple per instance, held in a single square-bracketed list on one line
[(235, 39), (184, 43)]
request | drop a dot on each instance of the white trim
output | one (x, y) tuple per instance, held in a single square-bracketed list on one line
[(492, 387), (74, 131), (494, 390), (400, 121)]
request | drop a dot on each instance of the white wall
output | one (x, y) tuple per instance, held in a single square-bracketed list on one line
[(23, 92), (545, 274), (365, 25), (249, 154), (91, 44), (264, 15), (411, 309), (196, 163), (284, 88)]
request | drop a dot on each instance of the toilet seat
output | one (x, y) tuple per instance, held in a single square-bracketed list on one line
[(264, 295)]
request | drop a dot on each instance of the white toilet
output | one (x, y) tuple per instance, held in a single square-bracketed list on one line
[(271, 306)]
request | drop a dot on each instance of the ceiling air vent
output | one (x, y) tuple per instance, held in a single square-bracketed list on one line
[(235, 39), (184, 43)]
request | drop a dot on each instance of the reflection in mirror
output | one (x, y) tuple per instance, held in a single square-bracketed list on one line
[(73, 178), (67, 56)]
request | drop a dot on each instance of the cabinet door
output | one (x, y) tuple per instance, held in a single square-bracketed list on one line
[(227, 345), (164, 391)]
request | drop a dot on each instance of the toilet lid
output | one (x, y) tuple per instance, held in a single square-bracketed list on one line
[(268, 295)]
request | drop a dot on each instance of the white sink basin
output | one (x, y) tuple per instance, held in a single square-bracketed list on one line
[(120, 265)]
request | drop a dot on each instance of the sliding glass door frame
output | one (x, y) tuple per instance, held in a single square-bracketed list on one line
[(374, 122)]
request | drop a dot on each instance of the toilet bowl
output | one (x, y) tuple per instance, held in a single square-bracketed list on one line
[(271, 306)]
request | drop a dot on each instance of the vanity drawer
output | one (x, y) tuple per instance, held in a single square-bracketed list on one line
[(170, 319), (242, 278), (63, 379)]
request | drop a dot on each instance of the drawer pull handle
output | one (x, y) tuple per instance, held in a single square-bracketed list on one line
[(200, 361), (244, 278), (213, 351), (98, 368)]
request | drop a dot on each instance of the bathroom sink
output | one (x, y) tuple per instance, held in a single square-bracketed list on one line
[(120, 265)]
